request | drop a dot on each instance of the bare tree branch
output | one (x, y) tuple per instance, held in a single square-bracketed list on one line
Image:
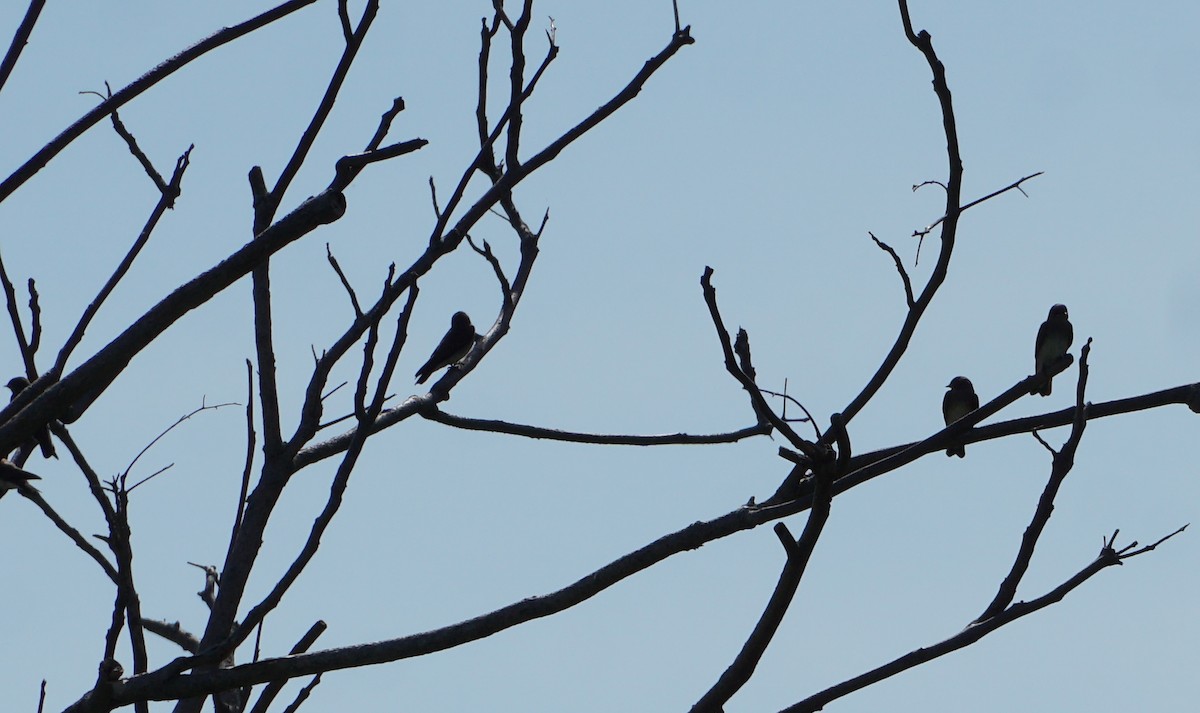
[(164, 202), (974, 632), (924, 43), (1014, 185), (80, 541), (758, 402), (799, 552), (908, 292), (1064, 460), (141, 84), (19, 40), (272, 689), (517, 429)]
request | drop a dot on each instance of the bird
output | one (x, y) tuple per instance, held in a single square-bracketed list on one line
[(1054, 338), (13, 478), (16, 385), (959, 401), (454, 346)]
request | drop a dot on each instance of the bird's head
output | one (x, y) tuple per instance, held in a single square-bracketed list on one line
[(1058, 311), (460, 320), (960, 382), (17, 384)]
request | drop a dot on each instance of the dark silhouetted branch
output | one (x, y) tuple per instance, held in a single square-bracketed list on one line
[(19, 40), (608, 439), (141, 84)]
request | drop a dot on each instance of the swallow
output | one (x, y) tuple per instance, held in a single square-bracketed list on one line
[(1054, 338), (454, 346), (13, 478), (16, 385), (959, 401)]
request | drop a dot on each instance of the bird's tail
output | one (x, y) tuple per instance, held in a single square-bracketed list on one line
[(959, 451)]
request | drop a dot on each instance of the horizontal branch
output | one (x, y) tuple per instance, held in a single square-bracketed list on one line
[(609, 439), (1186, 394)]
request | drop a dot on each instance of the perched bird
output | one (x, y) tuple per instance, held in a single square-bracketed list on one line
[(13, 478), (16, 385), (1054, 338), (959, 401), (454, 346)]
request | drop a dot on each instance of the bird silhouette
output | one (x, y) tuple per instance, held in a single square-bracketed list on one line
[(454, 346), (1054, 338), (16, 385), (959, 401), (13, 478)]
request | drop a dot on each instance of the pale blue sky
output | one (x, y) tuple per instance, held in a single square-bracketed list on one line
[(767, 150)]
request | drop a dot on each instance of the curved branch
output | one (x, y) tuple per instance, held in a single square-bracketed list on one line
[(924, 43)]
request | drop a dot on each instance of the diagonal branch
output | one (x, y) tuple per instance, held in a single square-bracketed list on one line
[(19, 40), (272, 689), (139, 85), (14, 314), (1015, 185), (757, 400), (1063, 460), (908, 291), (80, 541), (169, 193), (799, 552), (974, 632), (309, 137)]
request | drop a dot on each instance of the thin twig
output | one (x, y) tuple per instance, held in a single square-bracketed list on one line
[(1014, 185), (486, 253), (164, 202), (14, 314), (908, 291), (345, 282), (251, 440), (132, 144), (761, 408), (178, 422), (808, 417)]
